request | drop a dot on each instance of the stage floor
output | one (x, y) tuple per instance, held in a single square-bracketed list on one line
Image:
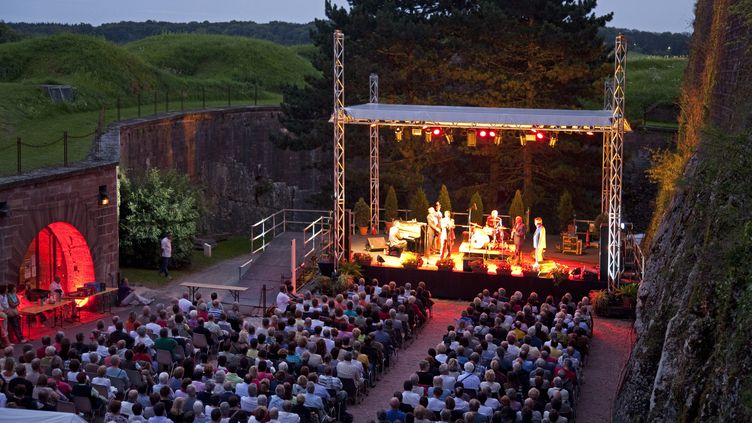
[(588, 260)]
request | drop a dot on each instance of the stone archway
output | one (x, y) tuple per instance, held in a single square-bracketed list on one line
[(57, 250)]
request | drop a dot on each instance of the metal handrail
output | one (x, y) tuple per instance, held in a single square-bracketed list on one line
[(637, 255), (270, 225)]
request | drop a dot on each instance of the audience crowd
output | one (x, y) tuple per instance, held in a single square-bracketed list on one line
[(198, 361), (507, 359)]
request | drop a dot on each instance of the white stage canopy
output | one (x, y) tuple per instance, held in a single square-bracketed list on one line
[(478, 117)]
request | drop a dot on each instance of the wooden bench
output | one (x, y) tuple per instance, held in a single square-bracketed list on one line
[(195, 286)]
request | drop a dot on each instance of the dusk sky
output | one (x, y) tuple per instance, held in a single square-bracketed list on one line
[(646, 15)]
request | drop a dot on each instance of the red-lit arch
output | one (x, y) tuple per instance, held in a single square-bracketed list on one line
[(59, 249)]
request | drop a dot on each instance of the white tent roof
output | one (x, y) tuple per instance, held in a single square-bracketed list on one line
[(19, 415), (477, 117)]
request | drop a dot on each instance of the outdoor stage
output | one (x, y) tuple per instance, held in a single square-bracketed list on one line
[(464, 285)]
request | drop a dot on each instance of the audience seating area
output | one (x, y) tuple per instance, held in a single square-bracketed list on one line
[(507, 359), (197, 361)]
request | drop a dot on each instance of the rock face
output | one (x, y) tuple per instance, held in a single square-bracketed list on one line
[(694, 317), (228, 152)]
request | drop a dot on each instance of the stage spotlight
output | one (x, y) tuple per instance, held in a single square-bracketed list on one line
[(449, 137), (482, 133), (471, 141), (436, 132), (552, 140), (398, 134), (104, 196), (590, 133), (491, 133), (540, 135), (416, 132)]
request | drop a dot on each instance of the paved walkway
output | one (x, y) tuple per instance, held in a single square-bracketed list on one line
[(446, 313), (612, 343)]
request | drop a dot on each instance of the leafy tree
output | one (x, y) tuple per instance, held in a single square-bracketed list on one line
[(390, 205), (446, 202), (565, 210), (151, 205), (518, 206), (529, 53), (419, 205), (476, 205), (7, 34)]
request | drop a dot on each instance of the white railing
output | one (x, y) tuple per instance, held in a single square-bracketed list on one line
[(277, 223), (318, 230), (632, 247)]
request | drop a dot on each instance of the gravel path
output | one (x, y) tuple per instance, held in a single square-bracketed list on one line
[(612, 342), (445, 313)]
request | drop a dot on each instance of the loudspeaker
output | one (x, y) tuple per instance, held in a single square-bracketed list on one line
[(377, 243), (603, 245)]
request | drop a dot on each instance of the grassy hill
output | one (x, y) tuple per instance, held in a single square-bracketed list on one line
[(652, 80), (219, 57), (182, 71)]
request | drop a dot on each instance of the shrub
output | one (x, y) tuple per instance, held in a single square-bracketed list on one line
[(518, 206), (362, 213), (477, 211), (419, 205), (446, 202), (151, 205), (390, 205)]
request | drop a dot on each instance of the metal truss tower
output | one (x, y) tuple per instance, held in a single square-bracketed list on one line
[(373, 84), (608, 102), (616, 147), (338, 230)]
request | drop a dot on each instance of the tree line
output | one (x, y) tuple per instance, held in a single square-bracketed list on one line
[(285, 33)]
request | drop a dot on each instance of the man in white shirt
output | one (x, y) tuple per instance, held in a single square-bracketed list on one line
[(468, 379), (185, 303), (346, 369), (166, 247), (408, 396), (286, 416), (282, 299)]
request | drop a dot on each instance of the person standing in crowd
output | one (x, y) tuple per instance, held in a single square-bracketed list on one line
[(539, 241), (518, 235), (166, 246)]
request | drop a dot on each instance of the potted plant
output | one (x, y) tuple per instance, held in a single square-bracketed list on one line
[(390, 207), (628, 294), (411, 260), (528, 271), (503, 268), (599, 300), (362, 215), (363, 259), (478, 266), (445, 264), (560, 274)]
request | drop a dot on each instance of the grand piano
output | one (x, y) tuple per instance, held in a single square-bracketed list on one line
[(415, 234)]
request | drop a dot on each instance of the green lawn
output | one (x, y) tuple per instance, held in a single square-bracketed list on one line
[(230, 248), (652, 80)]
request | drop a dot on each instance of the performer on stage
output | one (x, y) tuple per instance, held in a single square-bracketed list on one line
[(539, 241), (518, 235), (493, 222), (447, 234), (433, 230), (395, 239), (439, 216)]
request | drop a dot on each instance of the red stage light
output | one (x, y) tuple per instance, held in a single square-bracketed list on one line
[(590, 133), (436, 132), (483, 133), (492, 134), (539, 135)]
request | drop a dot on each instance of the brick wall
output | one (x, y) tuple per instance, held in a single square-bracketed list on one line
[(36, 202)]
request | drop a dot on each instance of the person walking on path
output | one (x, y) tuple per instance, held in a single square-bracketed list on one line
[(166, 245)]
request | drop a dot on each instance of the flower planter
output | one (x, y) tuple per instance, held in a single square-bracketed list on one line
[(363, 230), (504, 272), (479, 270)]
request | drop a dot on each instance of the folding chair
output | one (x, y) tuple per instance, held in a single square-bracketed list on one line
[(119, 384), (135, 378), (104, 391), (66, 407), (200, 342), (164, 358), (83, 406), (353, 392)]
